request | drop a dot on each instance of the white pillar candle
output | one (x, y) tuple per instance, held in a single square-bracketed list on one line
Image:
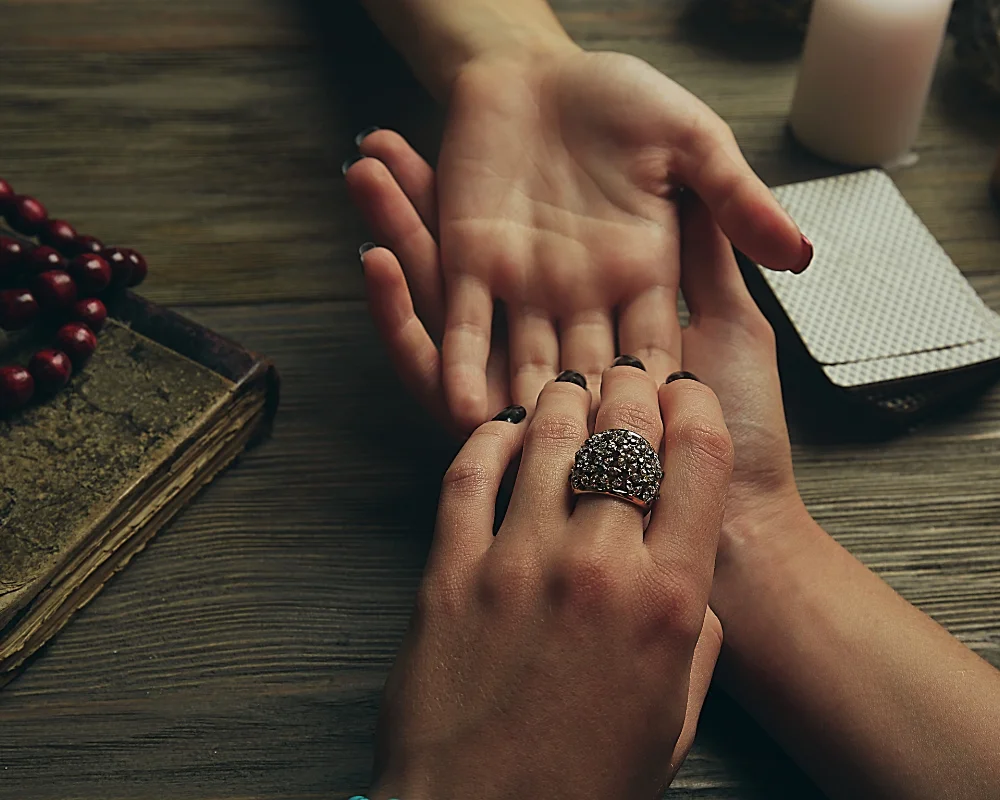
[(866, 72)]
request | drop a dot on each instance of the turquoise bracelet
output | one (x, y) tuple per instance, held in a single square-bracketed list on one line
[(362, 797)]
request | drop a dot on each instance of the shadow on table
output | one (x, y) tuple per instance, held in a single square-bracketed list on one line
[(704, 22), (751, 759), (368, 82)]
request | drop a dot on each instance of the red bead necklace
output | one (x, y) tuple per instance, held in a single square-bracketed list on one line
[(59, 278)]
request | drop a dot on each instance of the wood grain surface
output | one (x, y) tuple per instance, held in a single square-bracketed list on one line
[(242, 655)]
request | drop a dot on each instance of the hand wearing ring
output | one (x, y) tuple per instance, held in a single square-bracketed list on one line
[(568, 646)]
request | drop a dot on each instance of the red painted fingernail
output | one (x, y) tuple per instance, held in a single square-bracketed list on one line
[(807, 255)]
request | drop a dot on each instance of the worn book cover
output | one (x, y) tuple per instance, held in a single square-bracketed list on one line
[(88, 477)]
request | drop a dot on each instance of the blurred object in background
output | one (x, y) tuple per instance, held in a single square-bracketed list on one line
[(866, 72), (791, 15), (975, 24), (995, 180)]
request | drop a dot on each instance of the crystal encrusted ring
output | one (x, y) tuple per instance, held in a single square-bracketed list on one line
[(618, 463)]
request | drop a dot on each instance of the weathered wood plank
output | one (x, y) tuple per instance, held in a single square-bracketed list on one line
[(242, 654)]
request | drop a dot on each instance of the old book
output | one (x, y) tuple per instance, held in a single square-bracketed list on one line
[(88, 477)]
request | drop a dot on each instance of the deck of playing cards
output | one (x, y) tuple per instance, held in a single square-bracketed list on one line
[(882, 310)]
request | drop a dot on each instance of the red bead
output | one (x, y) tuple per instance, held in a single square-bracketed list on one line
[(6, 197), (51, 370), (91, 312), (18, 309), (91, 272), (44, 258), (55, 290), (120, 263), (11, 255), (59, 234), (16, 388), (26, 215), (88, 244), (77, 341), (139, 267)]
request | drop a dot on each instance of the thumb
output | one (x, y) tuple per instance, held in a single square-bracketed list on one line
[(742, 205), (706, 653)]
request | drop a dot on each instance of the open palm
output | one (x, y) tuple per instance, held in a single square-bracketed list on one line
[(728, 344), (555, 191)]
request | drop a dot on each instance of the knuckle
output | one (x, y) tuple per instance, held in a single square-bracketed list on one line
[(556, 429), (674, 611), (642, 418), (697, 135), (708, 441), (466, 478), (708, 131), (723, 131)]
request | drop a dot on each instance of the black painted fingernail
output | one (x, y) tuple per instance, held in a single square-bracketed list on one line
[(514, 414), (681, 376), (629, 361), (366, 132), (364, 249), (572, 376), (348, 163)]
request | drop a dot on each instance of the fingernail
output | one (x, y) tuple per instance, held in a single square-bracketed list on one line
[(681, 376), (572, 376), (629, 361), (513, 414), (807, 255), (366, 132), (348, 163), (364, 249)]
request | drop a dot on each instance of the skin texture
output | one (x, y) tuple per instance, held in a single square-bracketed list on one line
[(399, 217), (555, 196), (869, 695), (555, 658)]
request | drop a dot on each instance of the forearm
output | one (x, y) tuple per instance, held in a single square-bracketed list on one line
[(439, 37), (871, 696)]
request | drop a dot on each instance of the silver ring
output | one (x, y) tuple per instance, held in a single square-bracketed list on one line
[(618, 463)]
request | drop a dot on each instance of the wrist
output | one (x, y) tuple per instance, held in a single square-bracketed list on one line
[(768, 541), (513, 49), (442, 38)]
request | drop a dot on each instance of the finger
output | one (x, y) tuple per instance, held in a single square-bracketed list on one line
[(498, 366), (397, 225), (649, 328), (410, 347), (706, 654), (469, 490), (587, 345), (683, 530), (466, 349), (534, 354), (710, 277), (414, 175), (558, 429), (629, 402), (744, 207), (729, 343)]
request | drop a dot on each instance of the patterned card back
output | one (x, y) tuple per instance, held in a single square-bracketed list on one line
[(882, 300)]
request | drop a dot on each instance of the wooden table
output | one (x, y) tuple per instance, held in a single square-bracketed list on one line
[(243, 653)]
